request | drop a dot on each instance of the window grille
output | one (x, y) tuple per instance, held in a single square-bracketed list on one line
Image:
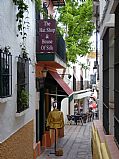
[(5, 73), (22, 84)]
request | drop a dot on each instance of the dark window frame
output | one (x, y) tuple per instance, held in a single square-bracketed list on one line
[(5, 73), (22, 84)]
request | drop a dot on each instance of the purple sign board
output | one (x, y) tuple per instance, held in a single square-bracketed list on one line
[(46, 40)]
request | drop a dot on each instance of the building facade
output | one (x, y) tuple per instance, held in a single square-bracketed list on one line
[(108, 94), (17, 81), (109, 47), (51, 57)]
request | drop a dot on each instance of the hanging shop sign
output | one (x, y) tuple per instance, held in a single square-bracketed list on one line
[(47, 36)]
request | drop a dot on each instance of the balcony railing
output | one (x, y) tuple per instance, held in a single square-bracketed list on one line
[(61, 48)]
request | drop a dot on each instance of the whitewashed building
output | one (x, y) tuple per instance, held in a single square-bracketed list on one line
[(17, 80)]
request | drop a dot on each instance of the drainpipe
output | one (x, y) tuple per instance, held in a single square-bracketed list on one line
[(74, 78), (81, 78)]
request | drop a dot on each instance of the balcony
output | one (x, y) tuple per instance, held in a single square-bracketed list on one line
[(50, 45), (52, 60)]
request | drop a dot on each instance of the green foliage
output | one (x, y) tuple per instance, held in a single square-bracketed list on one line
[(38, 5), (79, 27), (22, 22), (24, 98), (22, 8)]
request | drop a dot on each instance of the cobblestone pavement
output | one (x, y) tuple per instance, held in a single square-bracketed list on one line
[(76, 143)]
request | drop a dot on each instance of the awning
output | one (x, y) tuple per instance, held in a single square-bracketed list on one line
[(80, 94), (60, 81)]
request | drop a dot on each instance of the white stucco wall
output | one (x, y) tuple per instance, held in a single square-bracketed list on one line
[(9, 123), (106, 18), (64, 108), (108, 21)]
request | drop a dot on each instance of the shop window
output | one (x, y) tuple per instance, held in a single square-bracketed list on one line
[(5, 73), (22, 84)]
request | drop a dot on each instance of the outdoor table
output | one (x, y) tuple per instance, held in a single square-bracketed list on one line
[(78, 117)]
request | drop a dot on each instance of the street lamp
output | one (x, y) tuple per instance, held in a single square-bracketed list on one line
[(44, 72), (95, 67), (40, 80)]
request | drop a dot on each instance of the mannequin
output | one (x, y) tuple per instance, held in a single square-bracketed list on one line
[(55, 119)]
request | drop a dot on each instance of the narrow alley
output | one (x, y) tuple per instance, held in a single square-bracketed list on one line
[(59, 71), (76, 143)]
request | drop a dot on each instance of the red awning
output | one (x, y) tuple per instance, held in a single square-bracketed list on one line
[(60, 81)]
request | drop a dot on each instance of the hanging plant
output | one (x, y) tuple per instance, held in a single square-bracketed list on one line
[(22, 23)]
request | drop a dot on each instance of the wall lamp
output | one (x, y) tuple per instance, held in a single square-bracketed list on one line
[(95, 67), (44, 72)]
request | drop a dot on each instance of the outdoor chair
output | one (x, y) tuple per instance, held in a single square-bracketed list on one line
[(69, 118), (89, 116), (84, 116), (80, 120)]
